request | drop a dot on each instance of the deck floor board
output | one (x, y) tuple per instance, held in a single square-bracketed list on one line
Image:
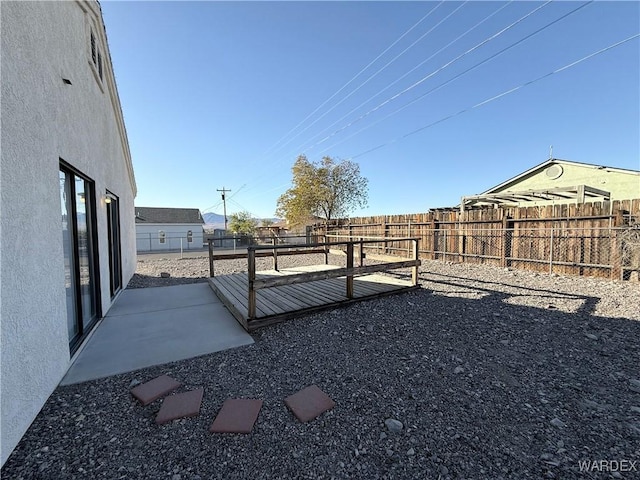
[(282, 302)]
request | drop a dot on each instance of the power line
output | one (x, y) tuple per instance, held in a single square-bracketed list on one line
[(433, 73), (451, 62), (409, 72), (211, 208), (374, 75), (350, 81), (496, 97), (429, 92)]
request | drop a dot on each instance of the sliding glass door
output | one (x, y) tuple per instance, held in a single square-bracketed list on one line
[(77, 200), (113, 227)]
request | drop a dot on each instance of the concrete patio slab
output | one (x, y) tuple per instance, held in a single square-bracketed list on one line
[(153, 326)]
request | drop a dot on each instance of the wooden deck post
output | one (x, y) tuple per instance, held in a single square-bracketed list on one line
[(361, 252), (414, 270), (326, 250), (350, 266), (211, 272), (251, 271), (275, 255)]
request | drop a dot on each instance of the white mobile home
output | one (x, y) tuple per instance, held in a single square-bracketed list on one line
[(67, 236)]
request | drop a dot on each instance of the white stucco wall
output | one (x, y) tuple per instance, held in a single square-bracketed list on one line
[(43, 120), (147, 236)]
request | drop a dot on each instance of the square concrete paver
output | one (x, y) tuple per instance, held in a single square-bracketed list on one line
[(308, 403), (180, 406), (237, 415), (154, 389)]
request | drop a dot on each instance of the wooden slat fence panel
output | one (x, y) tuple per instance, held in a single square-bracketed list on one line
[(569, 238)]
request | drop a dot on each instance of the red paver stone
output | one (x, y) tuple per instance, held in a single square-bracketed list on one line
[(154, 389), (308, 403), (180, 406), (237, 415)]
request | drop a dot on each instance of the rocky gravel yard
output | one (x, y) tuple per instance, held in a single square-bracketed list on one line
[(483, 373)]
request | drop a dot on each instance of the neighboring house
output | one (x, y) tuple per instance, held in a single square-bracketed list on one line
[(168, 229), (67, 231), (561, 181), (277, 229)]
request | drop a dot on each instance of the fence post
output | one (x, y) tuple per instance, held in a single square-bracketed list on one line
[(251, 271), (551, 251), (211, 272), (435, 240), (616, 259), (462, 241), (350, 267), (409, 236), (414, 270), (505, 240), (361, 252), (384, 233)]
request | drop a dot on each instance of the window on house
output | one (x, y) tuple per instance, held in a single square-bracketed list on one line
[(161, 236), (93, 48), (189, 236), (96, 57)]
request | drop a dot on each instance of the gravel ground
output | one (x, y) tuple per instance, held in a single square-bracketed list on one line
[(492, 373)]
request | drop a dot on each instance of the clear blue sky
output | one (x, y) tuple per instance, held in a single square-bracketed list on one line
[(228, 94)]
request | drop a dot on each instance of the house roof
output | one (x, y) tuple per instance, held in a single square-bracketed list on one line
[(548, 163), (168, 215), (502, 194)]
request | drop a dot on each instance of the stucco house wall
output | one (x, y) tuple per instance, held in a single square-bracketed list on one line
[(148, 238), (45, 120)]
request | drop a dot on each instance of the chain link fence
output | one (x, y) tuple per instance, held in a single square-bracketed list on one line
[(228, 242), (161, 241), (597, 252)]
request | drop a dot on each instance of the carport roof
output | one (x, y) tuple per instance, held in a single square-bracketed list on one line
[(579, 193)]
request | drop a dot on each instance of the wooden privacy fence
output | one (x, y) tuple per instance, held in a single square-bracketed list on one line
[(592, 239)]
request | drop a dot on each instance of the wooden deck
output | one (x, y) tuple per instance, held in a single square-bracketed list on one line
[(278, 303)]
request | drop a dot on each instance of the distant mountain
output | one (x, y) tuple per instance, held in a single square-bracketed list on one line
[(214, 220)]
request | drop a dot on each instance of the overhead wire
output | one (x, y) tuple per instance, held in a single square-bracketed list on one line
[(451, 62), (473, 67), (397, 56), (301, 148), (356, 76), (500, 95), (374, 75)]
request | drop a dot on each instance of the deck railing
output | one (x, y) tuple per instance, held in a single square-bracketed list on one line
[(349, 272), (269, 251)]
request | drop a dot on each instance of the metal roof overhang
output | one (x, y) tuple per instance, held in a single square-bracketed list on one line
[(579, 194)]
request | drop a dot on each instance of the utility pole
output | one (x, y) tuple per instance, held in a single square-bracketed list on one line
[(224, 203)]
